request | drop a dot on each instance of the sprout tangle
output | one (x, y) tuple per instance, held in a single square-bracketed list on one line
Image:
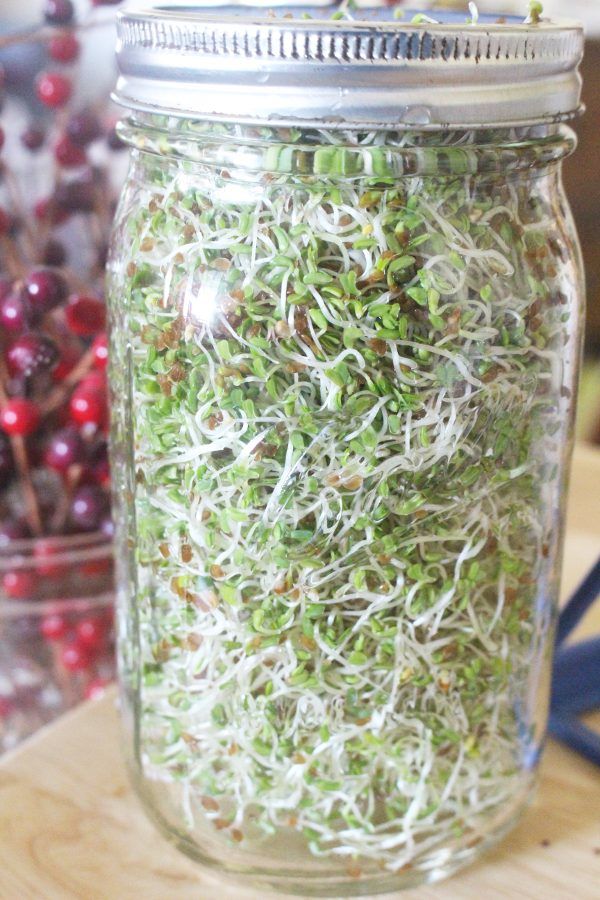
[(344, 448)]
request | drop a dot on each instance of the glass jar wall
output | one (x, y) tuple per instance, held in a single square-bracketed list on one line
[(343, 373)]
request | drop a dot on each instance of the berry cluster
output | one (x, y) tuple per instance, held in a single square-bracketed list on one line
[(81, 641), (53, 409), (58, 190), (54, 474), (50, 662)]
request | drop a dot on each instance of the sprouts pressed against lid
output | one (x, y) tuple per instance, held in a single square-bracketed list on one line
[(307, 65)]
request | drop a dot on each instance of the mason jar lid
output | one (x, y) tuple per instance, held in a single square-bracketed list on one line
[(296, 65)]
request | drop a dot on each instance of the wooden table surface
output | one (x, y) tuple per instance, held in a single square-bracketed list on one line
[(71, 828)]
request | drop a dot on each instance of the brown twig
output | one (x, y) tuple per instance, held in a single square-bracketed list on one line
[(12, 258), (32, 509), (18, 202), (59, 518), (58, 396)]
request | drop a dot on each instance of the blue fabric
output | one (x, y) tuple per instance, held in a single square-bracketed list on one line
[(576, 686), (576, 675), (578, 605)]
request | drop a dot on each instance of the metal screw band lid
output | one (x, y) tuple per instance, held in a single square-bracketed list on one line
[(295, 65)]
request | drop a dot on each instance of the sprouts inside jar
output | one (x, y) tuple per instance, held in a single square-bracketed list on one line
[(344, 440)]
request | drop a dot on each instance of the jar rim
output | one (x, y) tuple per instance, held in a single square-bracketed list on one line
[(240, 63)]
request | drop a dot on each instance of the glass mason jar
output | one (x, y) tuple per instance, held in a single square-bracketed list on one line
[(56, 635), (344, 362)]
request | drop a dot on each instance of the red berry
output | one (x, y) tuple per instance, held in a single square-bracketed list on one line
[(64, 48), (95, 567), (20, 417), (64, 449), (46, 564), (96, 689), (83, 128), (75, 657), (45, 289), (75, 196), (91, 632), (53, 89), (55, 253), (7, 706), (43, 209), (5, 222), (19, 584), (48, 210), (68, 360), (94, 381), (59, 12), (32, 138), (69, 155), (114, 141), (12, 530), (31, 354), (88, 406), (53, 627), (100, 474), (100, 348), (88, 507), (97, 470), (12, 313), (86, 316)]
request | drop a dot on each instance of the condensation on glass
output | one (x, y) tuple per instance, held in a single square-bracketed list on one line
[(344, 362)]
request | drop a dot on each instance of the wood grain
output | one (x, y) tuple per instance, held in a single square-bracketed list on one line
[(70, 828)]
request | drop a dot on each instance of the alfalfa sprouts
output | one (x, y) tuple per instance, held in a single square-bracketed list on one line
[(343, 456)]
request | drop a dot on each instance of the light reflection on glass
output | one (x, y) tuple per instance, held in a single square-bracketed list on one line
[(200, 299)]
